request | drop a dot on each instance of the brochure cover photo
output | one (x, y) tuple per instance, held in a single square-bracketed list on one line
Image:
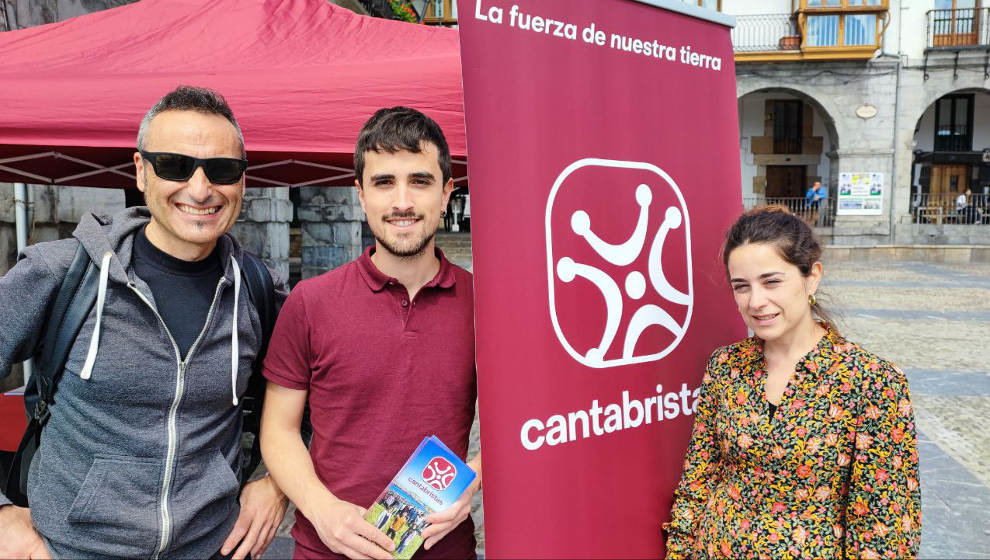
[(431, 480)]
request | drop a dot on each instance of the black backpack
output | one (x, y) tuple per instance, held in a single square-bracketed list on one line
[(72, 306)]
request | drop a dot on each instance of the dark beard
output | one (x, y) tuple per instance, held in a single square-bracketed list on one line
[(407, 253), (416, 250)]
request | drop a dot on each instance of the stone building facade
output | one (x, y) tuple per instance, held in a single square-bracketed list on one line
[(872, 108)]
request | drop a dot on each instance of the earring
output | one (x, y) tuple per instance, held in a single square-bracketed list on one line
[(443, 213), (811, 300)]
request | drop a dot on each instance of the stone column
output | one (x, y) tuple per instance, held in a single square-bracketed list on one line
[(263, 226), (8, 255), (331, 220)]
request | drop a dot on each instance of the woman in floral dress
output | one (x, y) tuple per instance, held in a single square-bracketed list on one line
[(804, 442)]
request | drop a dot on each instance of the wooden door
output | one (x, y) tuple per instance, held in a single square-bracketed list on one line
[(786, 181), (948, 180)]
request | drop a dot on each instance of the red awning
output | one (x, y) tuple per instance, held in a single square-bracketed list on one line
[(302, 76)]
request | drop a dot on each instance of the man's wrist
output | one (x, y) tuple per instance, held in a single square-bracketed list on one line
[(316, 501)]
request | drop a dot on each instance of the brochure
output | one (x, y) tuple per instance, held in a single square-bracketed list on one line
[(432, 479)]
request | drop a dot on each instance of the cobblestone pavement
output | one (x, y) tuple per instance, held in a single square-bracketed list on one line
[(933, 320)]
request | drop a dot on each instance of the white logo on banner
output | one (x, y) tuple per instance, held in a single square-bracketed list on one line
[(650, 307)]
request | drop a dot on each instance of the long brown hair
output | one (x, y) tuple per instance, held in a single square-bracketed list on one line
[(793, 238)]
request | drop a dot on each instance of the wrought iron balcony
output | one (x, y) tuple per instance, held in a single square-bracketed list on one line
[(957, 29), (766, 33)]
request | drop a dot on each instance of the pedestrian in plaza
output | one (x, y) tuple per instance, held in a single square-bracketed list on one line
[(964, 210), (139, 455), (804, 442), (382, 348), (813, 198)]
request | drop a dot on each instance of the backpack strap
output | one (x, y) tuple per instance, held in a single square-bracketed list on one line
[(261, 291), (72, 305)]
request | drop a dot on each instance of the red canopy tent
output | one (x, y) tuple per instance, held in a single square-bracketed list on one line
[(301, 75)]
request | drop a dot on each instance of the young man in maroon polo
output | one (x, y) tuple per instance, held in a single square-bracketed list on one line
[(383, 348)]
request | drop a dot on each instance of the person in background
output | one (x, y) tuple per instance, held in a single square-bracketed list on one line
[(963, 209), (813, 198), (804, 443)]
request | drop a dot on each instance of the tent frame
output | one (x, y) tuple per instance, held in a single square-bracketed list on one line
[(338, 173)]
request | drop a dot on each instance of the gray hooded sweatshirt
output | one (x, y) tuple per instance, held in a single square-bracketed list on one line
[(141, 454)]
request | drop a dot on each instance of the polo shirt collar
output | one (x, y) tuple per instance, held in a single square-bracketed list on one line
[(377, 280)]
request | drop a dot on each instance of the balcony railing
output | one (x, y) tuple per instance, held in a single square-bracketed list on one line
[(958, 28), (765, 33), (946, 209), (820, 215)]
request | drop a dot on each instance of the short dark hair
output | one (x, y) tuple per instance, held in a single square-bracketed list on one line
[(190, 98), (400, 128), (793, 238)]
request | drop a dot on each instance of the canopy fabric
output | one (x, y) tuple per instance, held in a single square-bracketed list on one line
[(302, 76)]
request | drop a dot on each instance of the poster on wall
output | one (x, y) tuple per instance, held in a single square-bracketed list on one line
[(860, 194), (604, 172)]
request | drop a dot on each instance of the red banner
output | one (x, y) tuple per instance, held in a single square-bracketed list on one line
[(604, 171)]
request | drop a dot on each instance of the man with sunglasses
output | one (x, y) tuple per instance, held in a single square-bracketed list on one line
[(141, 453)]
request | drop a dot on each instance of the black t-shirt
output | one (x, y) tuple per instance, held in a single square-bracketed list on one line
[(183, 290)]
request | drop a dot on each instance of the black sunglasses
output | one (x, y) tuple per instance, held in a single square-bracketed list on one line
[(180, 167)]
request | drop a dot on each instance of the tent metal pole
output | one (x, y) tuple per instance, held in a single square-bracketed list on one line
[(21, 219)]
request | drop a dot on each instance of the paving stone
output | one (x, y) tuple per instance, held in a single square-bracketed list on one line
[(930, 319), (957, 424)]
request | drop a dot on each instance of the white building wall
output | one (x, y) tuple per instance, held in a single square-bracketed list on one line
[(756, 7), (906, 28), (924, 138), (908, 21), (981, 121)]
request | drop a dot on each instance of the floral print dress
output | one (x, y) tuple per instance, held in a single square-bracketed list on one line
[(832, 473)]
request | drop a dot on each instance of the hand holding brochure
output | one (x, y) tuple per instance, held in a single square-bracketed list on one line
[(432, 479)]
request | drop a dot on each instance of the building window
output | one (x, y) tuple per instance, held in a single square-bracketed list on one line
[(842, 23), (954, 123), (787, 126), (823, 31), (860, 29), (847, 29), (851, 4), (441, 12), (955, 22)]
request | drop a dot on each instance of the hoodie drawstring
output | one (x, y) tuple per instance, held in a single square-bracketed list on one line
[(101, 296), (234, 346)]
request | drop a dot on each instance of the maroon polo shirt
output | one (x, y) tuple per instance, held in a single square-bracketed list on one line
[(382, 372)]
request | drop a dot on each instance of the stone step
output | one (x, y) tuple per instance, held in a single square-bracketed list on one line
[(456, 246), (453, 239)]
